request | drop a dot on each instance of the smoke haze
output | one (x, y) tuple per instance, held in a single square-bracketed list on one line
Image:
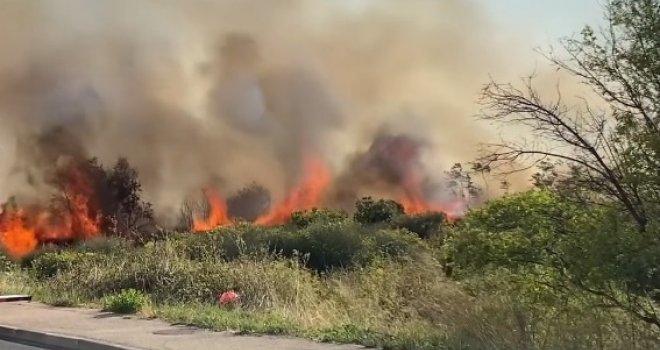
[(232, 92)]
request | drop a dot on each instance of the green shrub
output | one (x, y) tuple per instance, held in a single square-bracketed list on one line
[(369, 212), (512, 232), (326, 241), (128, 301), (333, 245), (102, 245), (305, 218), (229, 243), (397, 243), (49, 264), (6, 263)]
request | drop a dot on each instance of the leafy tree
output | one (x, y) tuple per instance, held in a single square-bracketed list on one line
[(603, 163), (595, 156), (127, 213), (553, 244)]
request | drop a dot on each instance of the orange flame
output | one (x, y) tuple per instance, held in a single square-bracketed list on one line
[(305, 196), (18, 239), (22, 230), (218, 215), (414, 204)]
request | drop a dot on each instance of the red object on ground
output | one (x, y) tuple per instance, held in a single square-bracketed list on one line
[(228, 297)]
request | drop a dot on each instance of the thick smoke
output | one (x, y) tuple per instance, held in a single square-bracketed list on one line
[(231, 92)]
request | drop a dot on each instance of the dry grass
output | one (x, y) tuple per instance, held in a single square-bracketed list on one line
[(390, 302)]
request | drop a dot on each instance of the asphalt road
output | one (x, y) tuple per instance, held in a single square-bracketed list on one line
[(5, 345)]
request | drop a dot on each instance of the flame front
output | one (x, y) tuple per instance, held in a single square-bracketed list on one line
[(414, 204), (307, 195), (72, 217), (16, 237), (217, 216), (73, 214)]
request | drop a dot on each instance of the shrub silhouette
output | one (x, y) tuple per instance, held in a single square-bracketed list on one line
[(369, 212)]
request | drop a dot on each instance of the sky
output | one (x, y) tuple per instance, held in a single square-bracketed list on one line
[(545, 20), (536, 22)]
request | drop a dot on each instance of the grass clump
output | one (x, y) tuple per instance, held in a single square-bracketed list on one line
[(127, 301)]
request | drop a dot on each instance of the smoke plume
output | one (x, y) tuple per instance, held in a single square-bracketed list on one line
[(228, 93)]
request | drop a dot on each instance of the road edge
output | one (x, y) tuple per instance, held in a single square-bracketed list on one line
[(56, 341)]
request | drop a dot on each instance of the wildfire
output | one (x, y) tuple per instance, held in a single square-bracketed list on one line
[(71, 216), (307, 195), (218, 215), (74, 212), (18, 239), (414, 204)]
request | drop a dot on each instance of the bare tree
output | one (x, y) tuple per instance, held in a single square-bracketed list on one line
[(605, 157)]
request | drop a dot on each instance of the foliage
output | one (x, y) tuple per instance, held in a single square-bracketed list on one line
[(603, 160), (369, 212), (606, 156), (306, 218), (424, 225), (128, 301), (128, 214), (5, 262), (390, 303), (553, 245), (322, 244), (49, 264)]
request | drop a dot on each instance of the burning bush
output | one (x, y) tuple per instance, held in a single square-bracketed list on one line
[(89, 201)]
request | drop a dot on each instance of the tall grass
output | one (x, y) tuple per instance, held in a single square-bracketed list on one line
[(333, 282)]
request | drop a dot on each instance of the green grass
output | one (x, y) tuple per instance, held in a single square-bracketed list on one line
[(127, 301), (384, 290), (218, 319)]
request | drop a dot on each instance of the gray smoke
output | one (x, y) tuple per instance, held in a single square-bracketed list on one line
[(233, 92)]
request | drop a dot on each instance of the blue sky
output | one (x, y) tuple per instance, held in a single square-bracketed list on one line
[(546, 20)]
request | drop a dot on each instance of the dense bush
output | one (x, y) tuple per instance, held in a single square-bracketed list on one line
[(5, 262), (554, 250), (512, 231), (369, 212), (326, 241), (127, 301), (49, 260), (302, 219), (49, 264)]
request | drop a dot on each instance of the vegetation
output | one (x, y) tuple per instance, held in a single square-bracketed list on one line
[(128, 301), (327, 277), (601, 166), (570, 264)]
